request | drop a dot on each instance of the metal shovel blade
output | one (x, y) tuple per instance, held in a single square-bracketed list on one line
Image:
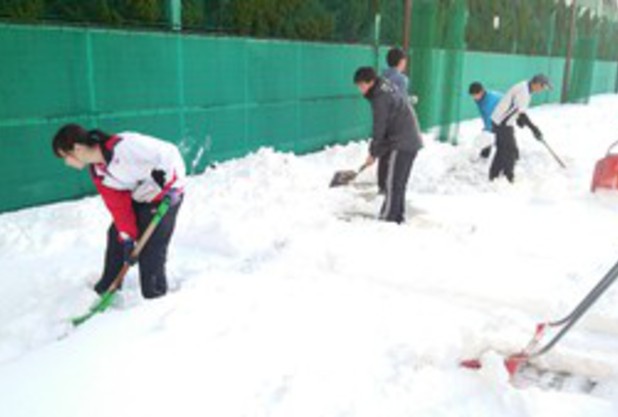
[(343, 178)]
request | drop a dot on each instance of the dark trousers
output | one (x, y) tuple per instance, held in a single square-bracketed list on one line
[(152, 257), (399, 167), (506, 153)]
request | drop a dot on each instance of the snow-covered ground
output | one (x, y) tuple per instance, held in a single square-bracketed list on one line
[(283, 305)]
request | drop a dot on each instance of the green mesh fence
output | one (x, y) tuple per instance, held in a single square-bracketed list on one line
[(437, 57), (580, 86), (423, 60), (453, 55), (219, 97), (215, 97)]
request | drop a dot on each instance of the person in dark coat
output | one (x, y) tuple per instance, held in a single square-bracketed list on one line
[(396, 137)]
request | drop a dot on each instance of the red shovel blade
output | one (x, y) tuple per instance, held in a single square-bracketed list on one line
[(512, 363), (471, 364)]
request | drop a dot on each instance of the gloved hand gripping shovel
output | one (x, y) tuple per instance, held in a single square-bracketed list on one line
[(108, 296), (514, 362), (346, 177)]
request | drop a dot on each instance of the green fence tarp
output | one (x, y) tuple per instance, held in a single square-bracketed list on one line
[(220, 97)]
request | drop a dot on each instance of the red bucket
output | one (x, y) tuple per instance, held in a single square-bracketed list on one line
[(606, 171)]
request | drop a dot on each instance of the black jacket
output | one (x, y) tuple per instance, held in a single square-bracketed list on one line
[(395, 126)]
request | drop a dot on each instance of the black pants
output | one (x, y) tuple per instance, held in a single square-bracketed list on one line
[(399, 167), (152, 257), (506, 153)]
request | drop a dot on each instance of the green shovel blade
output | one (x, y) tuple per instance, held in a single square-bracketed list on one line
[(106, 300)]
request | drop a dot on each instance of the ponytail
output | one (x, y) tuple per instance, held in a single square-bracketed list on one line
[(70, 134), (97, 137)]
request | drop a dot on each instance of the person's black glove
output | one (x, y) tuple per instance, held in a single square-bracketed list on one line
[(158, 175), (485, 152), (538, 135), (127, 250)]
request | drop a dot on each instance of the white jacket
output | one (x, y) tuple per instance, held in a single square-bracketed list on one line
[(134, 158), (514, 102)]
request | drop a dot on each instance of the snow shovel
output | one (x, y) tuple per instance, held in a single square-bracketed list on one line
[(551, 151), (514, 362), (606, 171), (346, 177), (108, 296)]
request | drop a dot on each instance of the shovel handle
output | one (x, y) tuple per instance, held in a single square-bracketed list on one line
[(107, 297), (363, 167), (609, 150), (154, 222), (551, 151)]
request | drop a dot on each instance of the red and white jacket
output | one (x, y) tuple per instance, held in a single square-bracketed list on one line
[(127, 176)]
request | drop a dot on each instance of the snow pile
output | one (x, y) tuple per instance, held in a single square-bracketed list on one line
[(286, 302)]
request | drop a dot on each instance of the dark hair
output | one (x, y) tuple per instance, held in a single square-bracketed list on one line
[(72, 133), (475, 88), (394, 56), (542, 80), (365, 74)]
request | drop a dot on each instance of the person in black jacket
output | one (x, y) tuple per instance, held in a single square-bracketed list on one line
[(396, 138)]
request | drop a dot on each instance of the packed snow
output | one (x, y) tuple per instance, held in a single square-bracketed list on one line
[(289, 300)]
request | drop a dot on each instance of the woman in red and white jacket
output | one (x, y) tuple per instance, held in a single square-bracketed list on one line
[(132, 172)]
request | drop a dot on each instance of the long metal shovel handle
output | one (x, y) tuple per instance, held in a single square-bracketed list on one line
[(531, 351), (551, 151), (571, 319), (591, 297), (362, 168), (578, 313), (108, 296)]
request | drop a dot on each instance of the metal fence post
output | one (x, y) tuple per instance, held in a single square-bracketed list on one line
[(376, 33), (174, 14), (407, 23), (567, 64)]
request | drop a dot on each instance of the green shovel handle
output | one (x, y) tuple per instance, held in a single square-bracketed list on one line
[(108, 296)]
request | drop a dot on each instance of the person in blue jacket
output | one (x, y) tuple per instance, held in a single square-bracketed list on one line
[(486, 101), (395, 73)]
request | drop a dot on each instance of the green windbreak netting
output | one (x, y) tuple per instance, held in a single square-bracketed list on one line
[(437, 61), (215, 97), (223, 77)]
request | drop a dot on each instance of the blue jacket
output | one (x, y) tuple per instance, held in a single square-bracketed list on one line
[(486, 106)]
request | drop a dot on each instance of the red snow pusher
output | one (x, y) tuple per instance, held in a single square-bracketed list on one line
[(514, 362), (606, 171)]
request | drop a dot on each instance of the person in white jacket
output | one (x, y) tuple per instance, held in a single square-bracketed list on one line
[(133, 173), (510, 110)]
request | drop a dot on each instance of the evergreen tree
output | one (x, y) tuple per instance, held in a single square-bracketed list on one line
[(353, 19), (22, 10)]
